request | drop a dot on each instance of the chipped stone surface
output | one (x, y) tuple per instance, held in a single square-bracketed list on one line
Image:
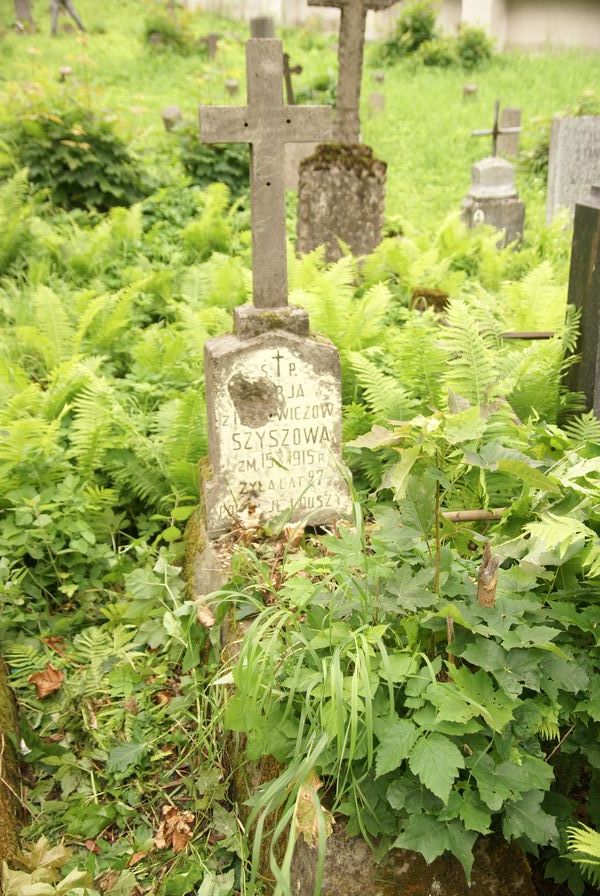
[(274, 413), (341, 198), (500, 869), (574, 164), (493, 199)]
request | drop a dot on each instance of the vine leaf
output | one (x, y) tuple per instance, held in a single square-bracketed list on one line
[(435, 760)]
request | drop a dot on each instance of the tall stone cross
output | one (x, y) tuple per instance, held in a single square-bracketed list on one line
[(267, 124), (496, 131), (352, 45)]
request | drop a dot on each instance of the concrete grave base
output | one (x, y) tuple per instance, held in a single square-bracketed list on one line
[(506, 215), (341, 200)]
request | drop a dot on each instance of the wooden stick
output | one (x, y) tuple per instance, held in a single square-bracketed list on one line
[(488, 578), (541, 335), (473, 516)]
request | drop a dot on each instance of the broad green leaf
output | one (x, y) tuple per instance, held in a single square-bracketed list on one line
[(125, 756), (379, 437), (474, 813), (432, 838), (526, 818), (466, 426), (530, 475), (478, 689), (396, 740), (396, 477), (436, 761)]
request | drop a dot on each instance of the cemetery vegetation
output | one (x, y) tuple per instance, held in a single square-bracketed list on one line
[(372, 673)]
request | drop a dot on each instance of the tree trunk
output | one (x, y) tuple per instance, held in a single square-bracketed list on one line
[(8, 772), (23, 12)]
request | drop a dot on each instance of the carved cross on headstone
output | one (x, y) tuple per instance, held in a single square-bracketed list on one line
[(352, 45), (267, 124), (288, 71), (496, 130)]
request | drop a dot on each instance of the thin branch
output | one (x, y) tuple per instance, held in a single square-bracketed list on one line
[(474, 516)]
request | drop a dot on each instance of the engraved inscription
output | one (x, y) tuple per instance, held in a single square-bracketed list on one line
[(278, 426)]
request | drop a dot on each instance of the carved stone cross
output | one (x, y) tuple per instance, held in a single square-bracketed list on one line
[(288, 71), (496, 131), (352, 45), (267, 124)]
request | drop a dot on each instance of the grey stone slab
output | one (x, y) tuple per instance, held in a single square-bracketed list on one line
[(267, 124), (574, 164), (351, 52), (508, 143), (262, 27), (584, 294), (274, 421), (250, 321), (493, 199), (295, 153), (341, 199), (171, 116)]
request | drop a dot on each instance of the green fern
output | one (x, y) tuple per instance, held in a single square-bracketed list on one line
[(471, 368), (584, 850)]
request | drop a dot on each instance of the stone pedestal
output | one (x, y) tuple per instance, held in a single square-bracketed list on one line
[(341, 200), (493, 200), (584, 294)]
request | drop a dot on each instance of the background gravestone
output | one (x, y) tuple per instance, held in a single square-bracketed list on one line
[(262, 26), (341, 201), (493, 199), (509, 138), (574, 163), (584, 294), (273, 392), (341, 194)]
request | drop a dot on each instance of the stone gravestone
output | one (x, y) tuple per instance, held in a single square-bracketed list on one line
[(341, 195), (493, 199), (171, 116), (273, 392), (510, 132), (262, 26), (584, 294), (574, 164)]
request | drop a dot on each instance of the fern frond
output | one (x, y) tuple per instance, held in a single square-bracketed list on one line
[(583, 429), (584, 850), (471, 371), (418, 360), (54, 325), (384, 395)]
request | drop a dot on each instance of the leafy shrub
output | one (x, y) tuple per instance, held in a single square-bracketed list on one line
[(164, 33), (416, 25), (474, 47), (78, 157), (227, 164), (438, 53), (321, 91)]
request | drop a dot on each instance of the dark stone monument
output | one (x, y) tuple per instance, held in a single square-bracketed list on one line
[(341, 200), (584, 294)]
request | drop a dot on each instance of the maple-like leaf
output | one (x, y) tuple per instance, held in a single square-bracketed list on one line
[(175, 830), (48, 681)]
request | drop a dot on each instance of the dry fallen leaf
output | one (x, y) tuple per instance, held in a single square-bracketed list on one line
[(206, 617), (308, 814), (48, 681), (136, 857), (174, 830), (92, 846)]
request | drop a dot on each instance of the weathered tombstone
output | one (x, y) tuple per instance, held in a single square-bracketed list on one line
[(171, 116), (469, 90), (232, 86), (211, 42), (584, 294), (493, 199), (497, 130), (379, 77), (64, 72), (510, 132), (341, 201), (262, 26), (273, 392), (341, 194), (574, 164), (376, 103)]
